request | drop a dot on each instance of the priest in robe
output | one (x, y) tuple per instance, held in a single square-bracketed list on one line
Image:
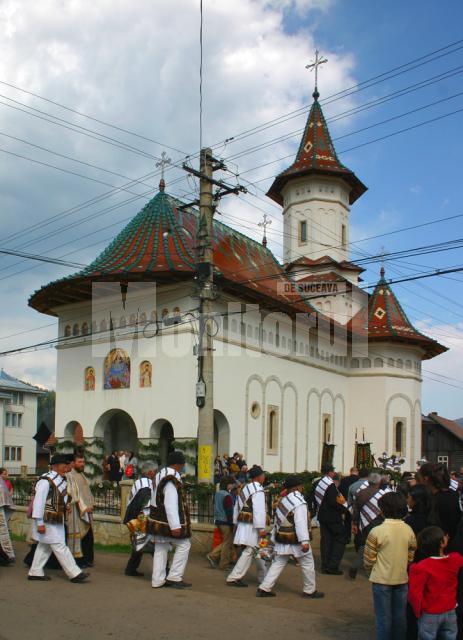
[(80, 517)]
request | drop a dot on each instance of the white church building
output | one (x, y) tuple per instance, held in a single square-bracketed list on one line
[(302, 355)]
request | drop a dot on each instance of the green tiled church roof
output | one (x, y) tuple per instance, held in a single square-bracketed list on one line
[(159, 244)]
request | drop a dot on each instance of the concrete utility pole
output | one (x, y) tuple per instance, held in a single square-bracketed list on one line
[(207, 294), (205, 390)]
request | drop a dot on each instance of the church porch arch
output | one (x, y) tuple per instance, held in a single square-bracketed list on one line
[(118, 431)]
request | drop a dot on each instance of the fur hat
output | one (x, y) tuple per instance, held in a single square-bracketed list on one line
[(255, 471), (176, 457), (58, 458), (292, 481)]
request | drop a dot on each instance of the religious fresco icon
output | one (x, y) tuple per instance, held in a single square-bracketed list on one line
[(90, 379), (146, 371), (117, 370)]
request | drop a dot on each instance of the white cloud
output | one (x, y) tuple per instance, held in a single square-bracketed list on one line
[(416, 189), (442, 376), (136, 65)]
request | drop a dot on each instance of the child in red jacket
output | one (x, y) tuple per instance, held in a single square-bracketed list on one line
[(432, 590)]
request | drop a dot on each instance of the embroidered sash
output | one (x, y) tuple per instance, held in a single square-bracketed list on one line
[(370, 510), (55, 505), (284, 527), (244, 499), (321, 489)]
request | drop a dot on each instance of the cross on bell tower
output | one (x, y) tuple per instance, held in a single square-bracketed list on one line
[(313, 66)]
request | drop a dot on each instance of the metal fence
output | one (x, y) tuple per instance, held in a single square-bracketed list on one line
[(108, 502)]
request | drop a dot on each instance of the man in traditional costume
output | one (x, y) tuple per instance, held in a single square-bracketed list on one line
[(250, 518), (366, 514), (169, 521), (291, 538), (136, 518), (6, 502), (48, 516), (79, 521), (331, 507)]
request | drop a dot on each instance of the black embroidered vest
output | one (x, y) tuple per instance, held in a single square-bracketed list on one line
[(158, 523)]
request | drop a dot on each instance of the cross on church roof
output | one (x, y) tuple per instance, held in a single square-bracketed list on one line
[(163, 162), (264, 224), (313, 66)]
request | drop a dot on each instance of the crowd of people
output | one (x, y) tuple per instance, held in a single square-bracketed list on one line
[(408, 536), (120, 465)]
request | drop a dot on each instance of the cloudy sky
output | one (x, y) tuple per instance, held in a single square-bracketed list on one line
[(135, 65)]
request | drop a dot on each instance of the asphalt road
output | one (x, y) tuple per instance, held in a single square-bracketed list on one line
[(112, 605)]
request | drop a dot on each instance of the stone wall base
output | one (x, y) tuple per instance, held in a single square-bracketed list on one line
[(109, 530)]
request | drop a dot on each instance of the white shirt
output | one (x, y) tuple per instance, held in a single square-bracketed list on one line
[(54, 533), (302, 532), (248, 534), (170, 500)]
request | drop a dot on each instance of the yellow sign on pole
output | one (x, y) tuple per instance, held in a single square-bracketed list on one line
[(205, 463)]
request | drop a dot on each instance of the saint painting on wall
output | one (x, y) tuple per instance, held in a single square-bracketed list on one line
[(145, 374), (89, 379), (117, 370)]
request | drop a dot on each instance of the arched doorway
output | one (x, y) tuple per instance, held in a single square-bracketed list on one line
[(162, 431), (73, 431), (118, 431), (221, 434)]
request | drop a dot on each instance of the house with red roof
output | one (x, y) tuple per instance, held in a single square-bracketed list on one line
[(303, 356)]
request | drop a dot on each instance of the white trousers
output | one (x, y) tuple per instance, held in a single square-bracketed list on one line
[(179, 562), (242, 566), (63, 555), (279, 563)]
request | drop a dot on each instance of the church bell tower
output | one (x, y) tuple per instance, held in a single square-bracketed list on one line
[(316, 193)]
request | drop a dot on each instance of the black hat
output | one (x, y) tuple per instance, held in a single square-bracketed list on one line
[(327, 467), (69, 457), (293, 481), (176, 457), (58, 458), (255, 471)]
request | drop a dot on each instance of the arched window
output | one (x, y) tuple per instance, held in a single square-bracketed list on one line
[(366, 363), (390, 362), (75, 330), (326, 428), (225, 323), (399, 363), (67, 331), (234, 325), (122, 322), (354, 363), (103, 325), (398, 436), (272, 430), (256, 333), (165, 313), (270, 337), (408, 364), (249, 331), (378, 362), (94, 326), (176, 312), (277, 334), (143, 317), (85, 329)]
